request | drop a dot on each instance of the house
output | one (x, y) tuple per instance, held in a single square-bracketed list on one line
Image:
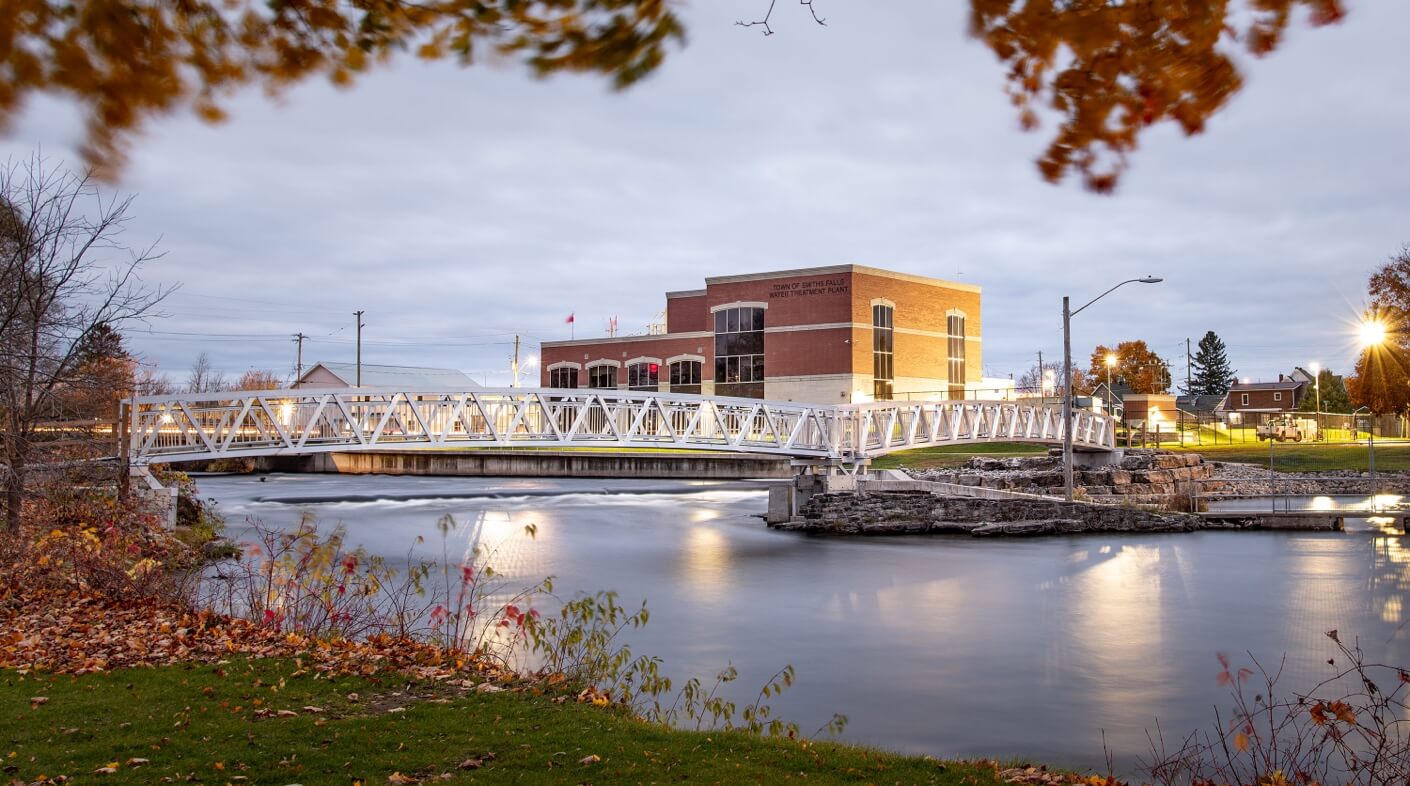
[(1150, 410), (1258, 399), (1201, 406), (408, 378)]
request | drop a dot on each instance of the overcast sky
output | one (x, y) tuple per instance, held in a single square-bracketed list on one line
[(459, 207)]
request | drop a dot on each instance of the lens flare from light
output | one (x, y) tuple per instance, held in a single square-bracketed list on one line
[(1372, 333)]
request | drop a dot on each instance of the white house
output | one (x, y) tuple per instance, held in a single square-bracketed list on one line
[(344, 375)]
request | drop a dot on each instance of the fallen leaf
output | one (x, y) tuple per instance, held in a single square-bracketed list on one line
[(591, 758), (313, 709), (35, 702), (135, 762), (398, 778), (471, 764)]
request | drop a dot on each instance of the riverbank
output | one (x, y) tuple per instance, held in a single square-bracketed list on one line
[(273, 721)]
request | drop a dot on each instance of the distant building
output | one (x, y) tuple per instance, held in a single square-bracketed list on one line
[(344, 375), (1202, 406), (1262, 398), (1151, 410), (826, 335)]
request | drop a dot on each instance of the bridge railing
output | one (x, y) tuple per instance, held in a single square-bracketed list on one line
[(271, 422)]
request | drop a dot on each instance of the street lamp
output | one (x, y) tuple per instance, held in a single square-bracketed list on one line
[(1316, 369), (1372, 332), (1110, 362), (1067, 314)]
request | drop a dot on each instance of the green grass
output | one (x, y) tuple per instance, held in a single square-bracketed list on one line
[(951, 456), (198, 724), (1305, 457)]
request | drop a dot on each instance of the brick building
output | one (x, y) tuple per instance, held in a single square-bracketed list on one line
[(1282, 396), (825, 335)]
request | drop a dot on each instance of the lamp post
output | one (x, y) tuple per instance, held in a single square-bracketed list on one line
[(1110, 361), (1317, 383), (1067, 314)]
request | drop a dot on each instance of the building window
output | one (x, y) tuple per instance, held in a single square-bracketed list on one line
[(566, 377), (1243, 399), (1277, 396), (685, 376), (883, 351), (603, 376), (955, 329), (644, 376), (739, 352)]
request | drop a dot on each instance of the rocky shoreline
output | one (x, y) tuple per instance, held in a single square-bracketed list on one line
[(1148, 491)]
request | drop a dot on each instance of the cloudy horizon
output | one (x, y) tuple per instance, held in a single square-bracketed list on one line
[(460, 207)]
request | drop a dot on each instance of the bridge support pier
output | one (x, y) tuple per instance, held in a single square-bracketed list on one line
[(1095, 459), (150, 490), (810, 478)]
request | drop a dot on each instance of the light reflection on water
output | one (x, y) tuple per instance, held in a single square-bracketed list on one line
[(941, 645)]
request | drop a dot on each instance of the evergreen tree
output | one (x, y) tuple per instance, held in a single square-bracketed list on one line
[(1212, 375), (1334, 394)]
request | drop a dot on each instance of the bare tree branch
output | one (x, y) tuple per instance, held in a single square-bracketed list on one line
[(769, 14)]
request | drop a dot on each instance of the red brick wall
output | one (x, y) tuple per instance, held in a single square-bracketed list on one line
[(793, 300), (1261, 399), (622, 351), (687, 314)]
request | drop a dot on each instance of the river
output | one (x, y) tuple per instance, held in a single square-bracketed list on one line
[(949, 646)]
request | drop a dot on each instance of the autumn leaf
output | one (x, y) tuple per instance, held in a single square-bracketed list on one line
[(397, 779), (38, 701), (1241, 741), (591, 758)]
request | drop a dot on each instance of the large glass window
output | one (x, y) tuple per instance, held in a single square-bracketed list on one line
[(883, 351), (955, 328), (603, 376), (685, 376), (566, 377), (739, 352), (644, 376)]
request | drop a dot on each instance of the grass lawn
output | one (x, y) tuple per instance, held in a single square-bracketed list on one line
[(220, 724), (949, 456), (1307, 457)]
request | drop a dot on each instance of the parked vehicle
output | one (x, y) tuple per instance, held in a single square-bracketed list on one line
[(1281, 429)]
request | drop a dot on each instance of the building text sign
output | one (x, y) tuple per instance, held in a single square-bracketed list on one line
[(816, 286)]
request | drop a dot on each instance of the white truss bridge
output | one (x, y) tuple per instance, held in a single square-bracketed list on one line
[(292, 422)]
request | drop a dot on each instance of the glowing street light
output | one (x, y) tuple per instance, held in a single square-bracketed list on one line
[(1316, 369)]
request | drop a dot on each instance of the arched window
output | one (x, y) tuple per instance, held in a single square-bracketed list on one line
[(563, 377), (644, 375), (739, 351), (685, 376), (603, 375), (883, 350)]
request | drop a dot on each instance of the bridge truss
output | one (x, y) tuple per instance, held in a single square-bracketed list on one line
[(292, 422)]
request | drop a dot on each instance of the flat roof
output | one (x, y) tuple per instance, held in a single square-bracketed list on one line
[(686, 293), (625, 339), (863, 269)]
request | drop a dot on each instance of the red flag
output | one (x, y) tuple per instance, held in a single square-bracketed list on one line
[(570, 319)]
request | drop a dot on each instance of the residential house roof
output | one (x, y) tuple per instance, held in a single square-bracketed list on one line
[(407, 377)]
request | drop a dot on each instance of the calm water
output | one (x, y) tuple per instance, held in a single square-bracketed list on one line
[(940, 645)]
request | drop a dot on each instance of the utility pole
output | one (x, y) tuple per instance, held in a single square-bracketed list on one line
[(514, 367), (1189, 391), (360, 326), (299, 357)]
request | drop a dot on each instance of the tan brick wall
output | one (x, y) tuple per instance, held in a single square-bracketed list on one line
[(920, 307)]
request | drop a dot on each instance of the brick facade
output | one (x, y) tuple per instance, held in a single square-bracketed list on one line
[(818, 333)]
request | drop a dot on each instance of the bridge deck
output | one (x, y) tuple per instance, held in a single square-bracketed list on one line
[(279, 422)]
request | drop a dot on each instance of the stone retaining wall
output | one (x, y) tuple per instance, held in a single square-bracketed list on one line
[(917, 512)]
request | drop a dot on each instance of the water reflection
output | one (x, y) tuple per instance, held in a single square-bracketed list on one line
[(941, 645)]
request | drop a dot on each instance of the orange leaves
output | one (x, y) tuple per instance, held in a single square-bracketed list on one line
[(1127, 66), (127, 61), (1325, 712)]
